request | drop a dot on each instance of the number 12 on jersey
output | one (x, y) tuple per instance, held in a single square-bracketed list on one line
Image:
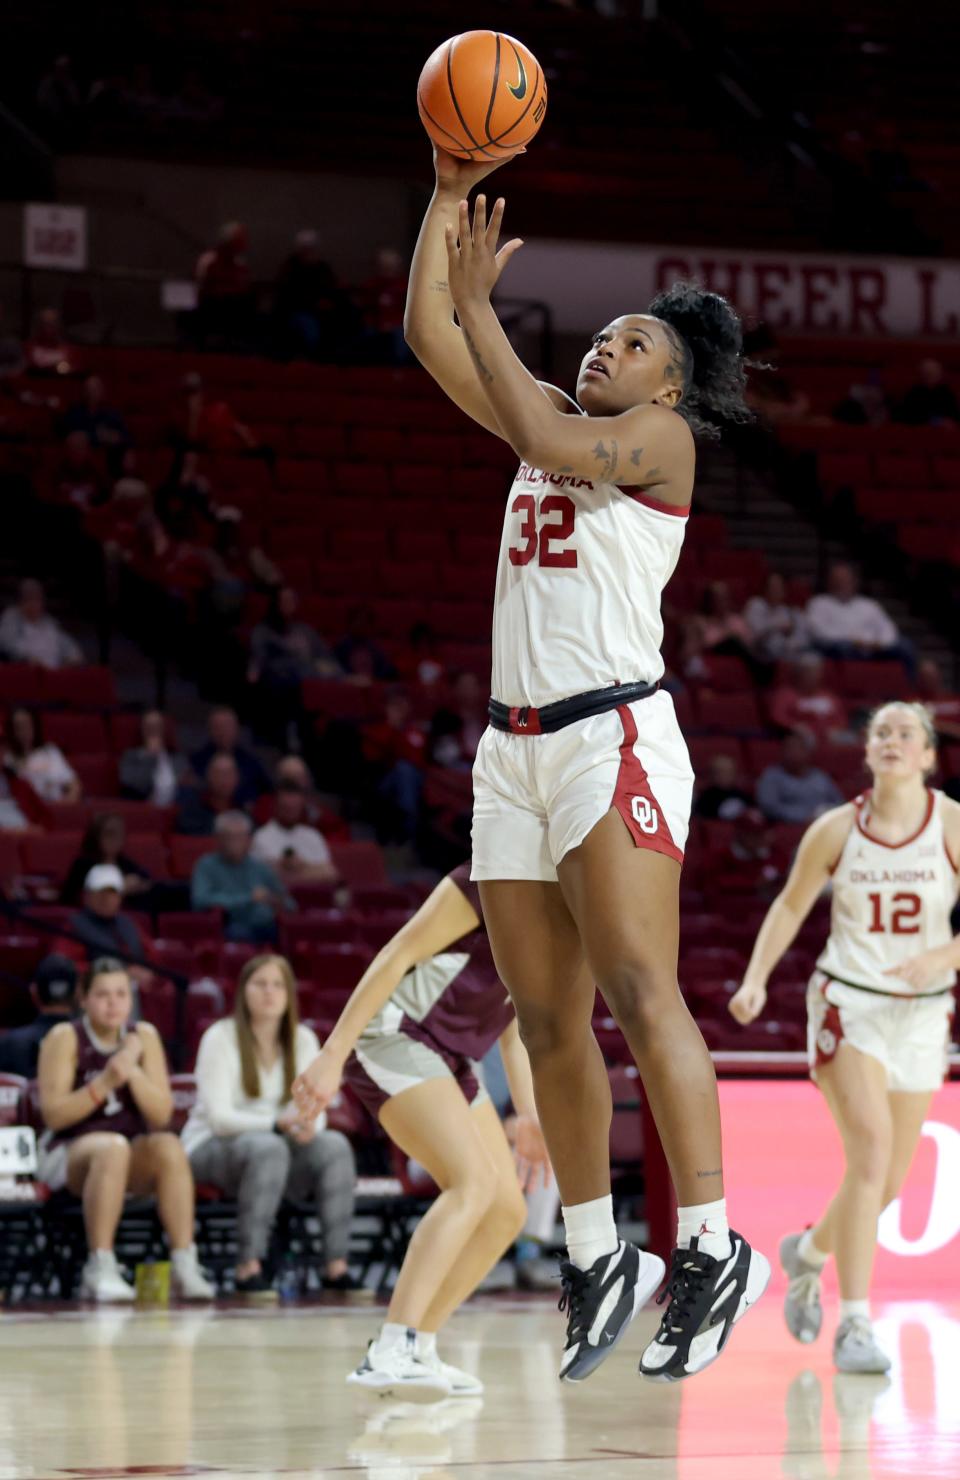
[(539, 542), (905, 907)]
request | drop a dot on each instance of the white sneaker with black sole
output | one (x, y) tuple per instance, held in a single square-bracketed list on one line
[(707, 1298), (399, 1369), (601, 1302)]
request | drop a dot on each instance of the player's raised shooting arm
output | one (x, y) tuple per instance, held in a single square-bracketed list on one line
[(819, 851), (443, 918), (428, 323)]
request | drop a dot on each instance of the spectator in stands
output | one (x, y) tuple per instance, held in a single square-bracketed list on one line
[(293, 770), (864, 405), (357, 653), (283, 652), (455, 729), (105, 1099), (750, 863), (723, 798), (223, 729), (383, 296), (299, 853), (209, 424), (52, 993), (200, 807), (395, 748), (942, 702), (314, 316), (130, 488), (776, 628), (246, 889), (103, 842), (421, 661), (13, 816), (28, 633), (246, 1137), (845, 624), (152, 771), (794, 790), (38, 762), (931, 402), (103, 424), (716, 629), (80, 478), (808, 707), (226, 302), (102, 926), (183, 502), (49, 352), (59, 98)]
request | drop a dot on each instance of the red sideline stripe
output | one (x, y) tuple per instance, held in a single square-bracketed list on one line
[(640, 496), (633, 786)]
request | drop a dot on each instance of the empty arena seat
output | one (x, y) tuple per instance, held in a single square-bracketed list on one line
[(97, 773), (725, 675), (51, 856), (150, 851), (320, 927), (359, 862), (21, 683), (733, 713), (10, 861), (332, 967), (77, 734), (89, 686), (875, 680), (190, 925), (184, 852)]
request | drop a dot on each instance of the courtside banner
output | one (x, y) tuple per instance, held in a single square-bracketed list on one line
[(783, 1163), (585, 285)]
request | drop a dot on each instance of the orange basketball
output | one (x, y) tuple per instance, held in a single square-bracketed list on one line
[(482, 95)]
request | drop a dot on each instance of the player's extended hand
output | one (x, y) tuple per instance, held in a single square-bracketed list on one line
[(318, 1084), (458, 176), (920, 970), (474, 264), (530, 1153), (747, 1002)]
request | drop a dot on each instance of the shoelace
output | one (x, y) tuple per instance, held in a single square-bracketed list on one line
[(805, 1288), (574, 1282), (688, 1274), (861, 1332)]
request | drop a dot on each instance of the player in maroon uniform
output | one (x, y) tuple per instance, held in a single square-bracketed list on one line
[(105, 1098), (409, 1043)]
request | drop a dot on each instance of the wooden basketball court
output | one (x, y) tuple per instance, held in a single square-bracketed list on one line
[(235, 1391)]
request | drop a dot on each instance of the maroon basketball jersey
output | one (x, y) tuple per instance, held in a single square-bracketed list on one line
[(119, 1113)]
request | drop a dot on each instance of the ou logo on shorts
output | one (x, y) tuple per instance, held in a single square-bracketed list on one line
[(943, 1219), (644, 815)]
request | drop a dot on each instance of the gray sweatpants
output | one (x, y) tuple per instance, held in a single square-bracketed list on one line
[(260, 1168)]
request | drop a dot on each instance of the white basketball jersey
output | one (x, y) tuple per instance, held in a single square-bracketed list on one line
[(582, 567), (890, 902)]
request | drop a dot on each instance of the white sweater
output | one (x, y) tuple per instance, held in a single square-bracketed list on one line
[(223, 1107)]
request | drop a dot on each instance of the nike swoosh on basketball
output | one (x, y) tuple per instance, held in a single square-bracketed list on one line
[(520, 91)]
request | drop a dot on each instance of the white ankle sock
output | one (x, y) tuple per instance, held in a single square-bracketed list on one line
[(808, 1251), (591, 1231), (394, 1334), (426, 1343), (707, 1223), (849, 1308)]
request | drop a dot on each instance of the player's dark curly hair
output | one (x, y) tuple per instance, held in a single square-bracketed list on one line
[(707, 336)]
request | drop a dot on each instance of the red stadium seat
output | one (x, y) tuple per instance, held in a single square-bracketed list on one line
[(22, 683), (733, 713), (150, 851), (359, 863), (704, 747), (874, 681), (97, 773), (184, 1090), (158, 1000), (125, 732), (319, 927), (10, 862), (49, 857), (333, 968), (77, 734), (725, 675), (184, 852), (88, 687), (903, 472), (190, 926)]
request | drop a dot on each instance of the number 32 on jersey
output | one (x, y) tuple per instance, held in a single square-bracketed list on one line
[(546, 524)]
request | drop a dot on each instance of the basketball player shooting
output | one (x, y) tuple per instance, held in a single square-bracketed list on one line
[(582, 782)]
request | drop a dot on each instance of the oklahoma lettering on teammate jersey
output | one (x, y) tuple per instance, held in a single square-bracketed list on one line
[(891, 901), (582, 567)]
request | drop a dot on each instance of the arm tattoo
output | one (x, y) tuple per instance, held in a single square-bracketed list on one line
[(717, 1172), (440, 285), (608, 458), (636, 455), (482, 370)]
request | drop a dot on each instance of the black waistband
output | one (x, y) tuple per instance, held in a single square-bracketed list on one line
[(526, 720), (841, 981)]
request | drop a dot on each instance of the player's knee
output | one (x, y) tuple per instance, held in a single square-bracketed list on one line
[(113, 1154), (869, 1157), (166, 1150), (545, 1030), (509, 1210), (635, 992)]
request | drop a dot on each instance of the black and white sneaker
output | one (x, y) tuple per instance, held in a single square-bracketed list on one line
[(601, 1302), (707, 1297)]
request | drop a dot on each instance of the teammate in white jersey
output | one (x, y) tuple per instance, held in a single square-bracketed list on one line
[(582, 783), (879, 1004)]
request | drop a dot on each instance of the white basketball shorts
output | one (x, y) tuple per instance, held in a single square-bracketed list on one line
[(537, 796), (910, 1036)]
